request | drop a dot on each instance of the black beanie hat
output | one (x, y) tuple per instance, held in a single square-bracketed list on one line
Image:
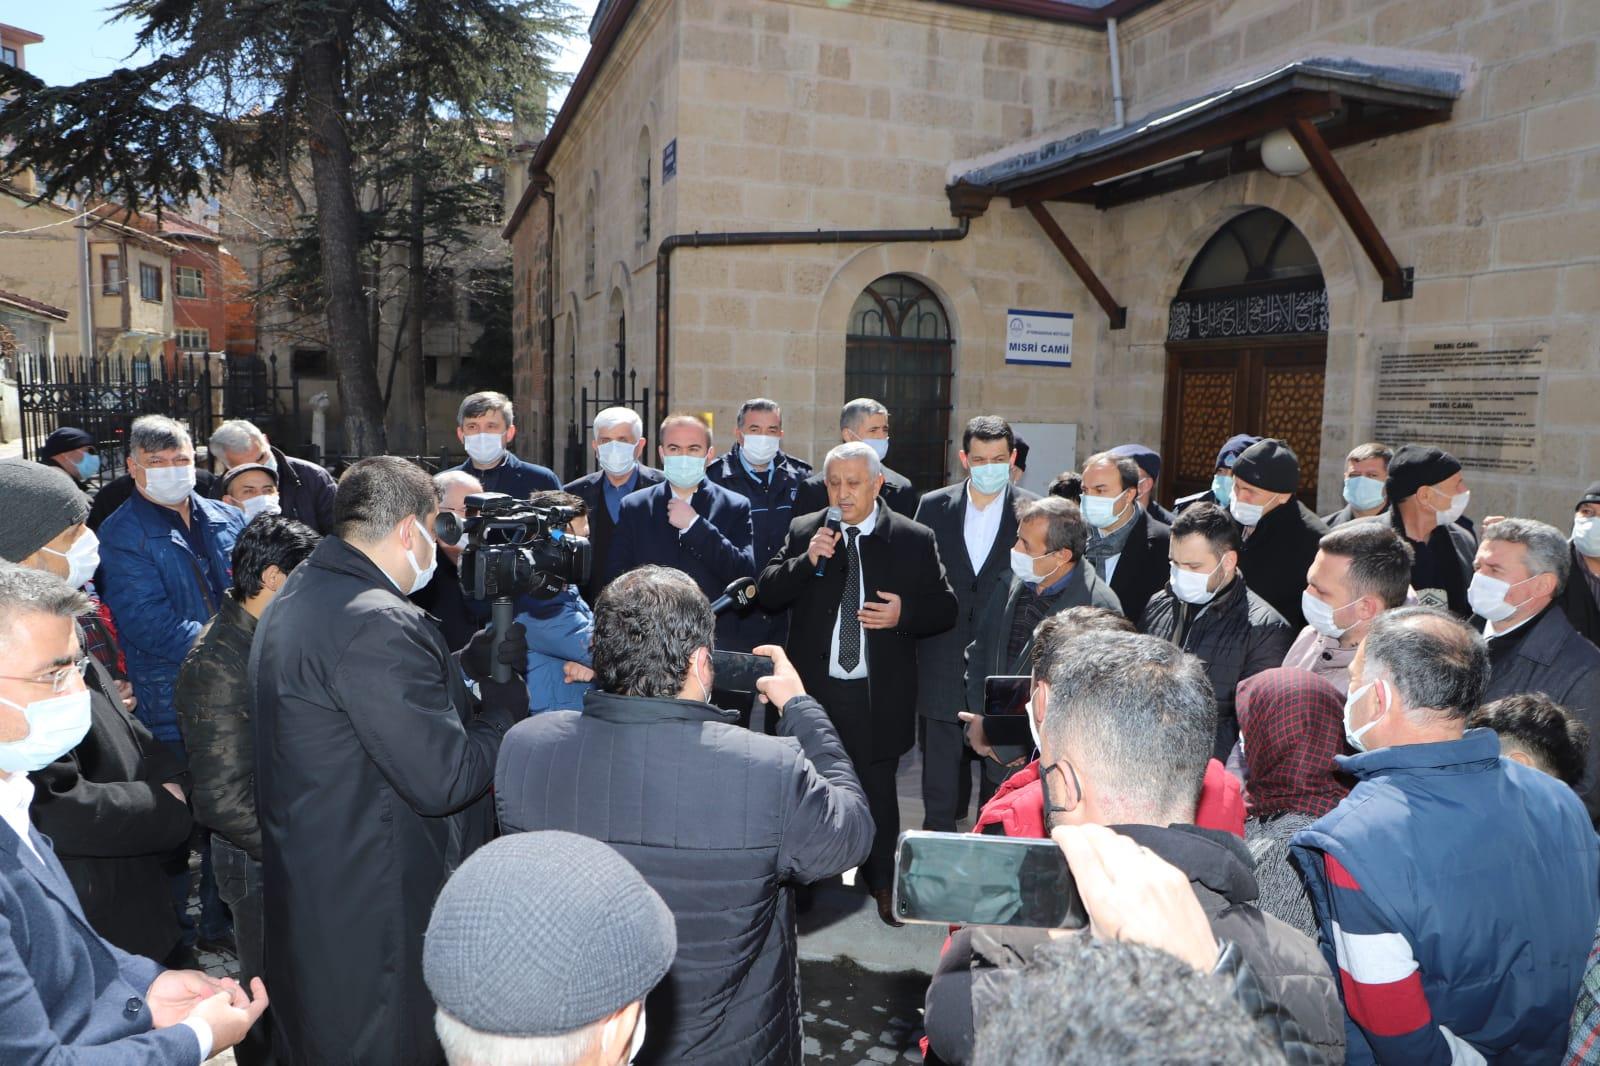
[(1416, 465), (1271, 465)]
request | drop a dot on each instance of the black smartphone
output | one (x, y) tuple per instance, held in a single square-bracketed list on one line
[(736, 671), (973, 879), (1006, 694)]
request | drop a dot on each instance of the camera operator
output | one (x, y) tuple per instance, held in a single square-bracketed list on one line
[(373, 764), (559, 628), (721, 821)]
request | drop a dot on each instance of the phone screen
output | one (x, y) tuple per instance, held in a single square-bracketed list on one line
[(1006, 694), (736, 671), (972, 879)]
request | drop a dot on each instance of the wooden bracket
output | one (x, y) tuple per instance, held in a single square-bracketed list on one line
[(1397, 280), (1117, 314)]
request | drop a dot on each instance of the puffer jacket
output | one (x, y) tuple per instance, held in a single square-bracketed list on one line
[(980, 961), (213, 704), (1292, 1039), (152, 581), (1236, 635), (720, 821), (559, 629), (1017, 807)]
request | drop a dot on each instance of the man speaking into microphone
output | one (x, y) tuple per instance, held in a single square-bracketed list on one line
[(861, 593)]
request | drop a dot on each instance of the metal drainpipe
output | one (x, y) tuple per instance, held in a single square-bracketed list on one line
[(755, 240), (549, 328), (1119, 118)]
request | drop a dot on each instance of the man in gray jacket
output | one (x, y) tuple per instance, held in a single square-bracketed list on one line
[(719, 820)]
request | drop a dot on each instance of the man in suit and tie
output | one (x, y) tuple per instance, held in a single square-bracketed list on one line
[(65, 991), (1127, 545), (618, 444), (865, 420), (688, 522), (859, 598), (975, 524)]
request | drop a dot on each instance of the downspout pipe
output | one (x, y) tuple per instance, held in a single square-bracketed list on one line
[(1113, 43), (549, 326), (761, 239)]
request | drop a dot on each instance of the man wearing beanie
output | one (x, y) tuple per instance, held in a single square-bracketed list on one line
[(1221, 490), (1427, 495), (1281, 534), (541, 949), (1581, 598), (114, 806)]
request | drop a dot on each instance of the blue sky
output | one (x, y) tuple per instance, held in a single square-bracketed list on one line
[(79, 43)]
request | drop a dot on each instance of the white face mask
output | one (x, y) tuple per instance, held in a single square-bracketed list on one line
[(1487, 597), (1101, 511), (1033, 725), (1192, 587), (1022, 566), (616, 457), (1319, 615), (759, 448), (485, 448), (422, 578), (1247, 514), (259, 505), (83, 558), (1457, 508), (1586, 536), (170, 485), (55, 726), (1354, 735)]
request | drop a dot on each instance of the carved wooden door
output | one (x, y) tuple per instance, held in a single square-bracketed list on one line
[(1265, 389)]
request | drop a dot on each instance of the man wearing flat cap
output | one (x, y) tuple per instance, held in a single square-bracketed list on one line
[(1280, 533), (541, 949), (1427, 495), (72, 451), (1221, 490), (1581, 598)]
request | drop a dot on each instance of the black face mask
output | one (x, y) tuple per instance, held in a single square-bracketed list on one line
[(1052, 809)]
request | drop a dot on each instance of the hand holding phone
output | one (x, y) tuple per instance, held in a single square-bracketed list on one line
[(972, 879), (783, 681)]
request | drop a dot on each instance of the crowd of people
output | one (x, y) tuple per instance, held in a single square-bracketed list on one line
[(1326, 785)]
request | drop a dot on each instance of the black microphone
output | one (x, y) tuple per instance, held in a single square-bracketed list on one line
[(740, 594), (835, 517)]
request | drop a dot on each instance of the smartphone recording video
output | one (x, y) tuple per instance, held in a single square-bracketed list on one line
[(971, 879)]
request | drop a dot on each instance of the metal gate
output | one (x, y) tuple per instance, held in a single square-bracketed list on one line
[(104, 394), (579, 458), (899, 352)]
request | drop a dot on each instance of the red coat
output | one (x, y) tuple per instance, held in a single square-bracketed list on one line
[(1018, 807)]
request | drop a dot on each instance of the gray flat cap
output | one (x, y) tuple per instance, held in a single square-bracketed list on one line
[(39, 504), (539, 934)]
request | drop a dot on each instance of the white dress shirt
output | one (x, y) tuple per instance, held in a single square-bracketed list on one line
[(16, 793), (980, 526), (834, 669)]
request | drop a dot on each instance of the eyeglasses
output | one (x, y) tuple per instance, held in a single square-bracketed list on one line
[(56, 679)]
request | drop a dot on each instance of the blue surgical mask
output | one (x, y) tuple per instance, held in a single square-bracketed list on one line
[(1363, 493), (877, 444), (989, 478), (1101, 511), (684, 471), (55, 726), (1586, 536), (88, 466), (1222, 488)]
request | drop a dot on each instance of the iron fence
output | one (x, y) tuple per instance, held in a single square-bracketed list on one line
[(635, 398)]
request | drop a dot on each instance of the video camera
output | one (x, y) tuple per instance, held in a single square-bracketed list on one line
[(513, 547)]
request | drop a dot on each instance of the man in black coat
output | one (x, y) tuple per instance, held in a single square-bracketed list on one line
[(1127, 545), (1149, 464), (760, 471), (618, 444), (721, 821), (1126, 737), (1581, 598), (974, 523), (115, 806), (371, 762), (1428, 495), (859, 598), (1280, 533), (866, 420), (1208, 610), (1520, 569), (305, 490)]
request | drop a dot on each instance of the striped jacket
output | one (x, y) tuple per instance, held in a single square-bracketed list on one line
[(1457, 894)]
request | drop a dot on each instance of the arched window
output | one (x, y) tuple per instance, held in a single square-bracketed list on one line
[(644, 187), (588, 241), (1254, 249), (898, 350)]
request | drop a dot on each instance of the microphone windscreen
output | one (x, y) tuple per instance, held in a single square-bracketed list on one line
[(835, 515)]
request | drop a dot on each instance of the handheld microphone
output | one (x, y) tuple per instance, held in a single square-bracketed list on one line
[(740, 593), (835, 518)]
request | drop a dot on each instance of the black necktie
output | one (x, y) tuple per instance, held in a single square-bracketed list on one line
[(849, 623)]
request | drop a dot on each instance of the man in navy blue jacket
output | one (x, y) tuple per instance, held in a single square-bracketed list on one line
[(66, 993), (687, 522), (618, 444), (762, 473), (486, 426)]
